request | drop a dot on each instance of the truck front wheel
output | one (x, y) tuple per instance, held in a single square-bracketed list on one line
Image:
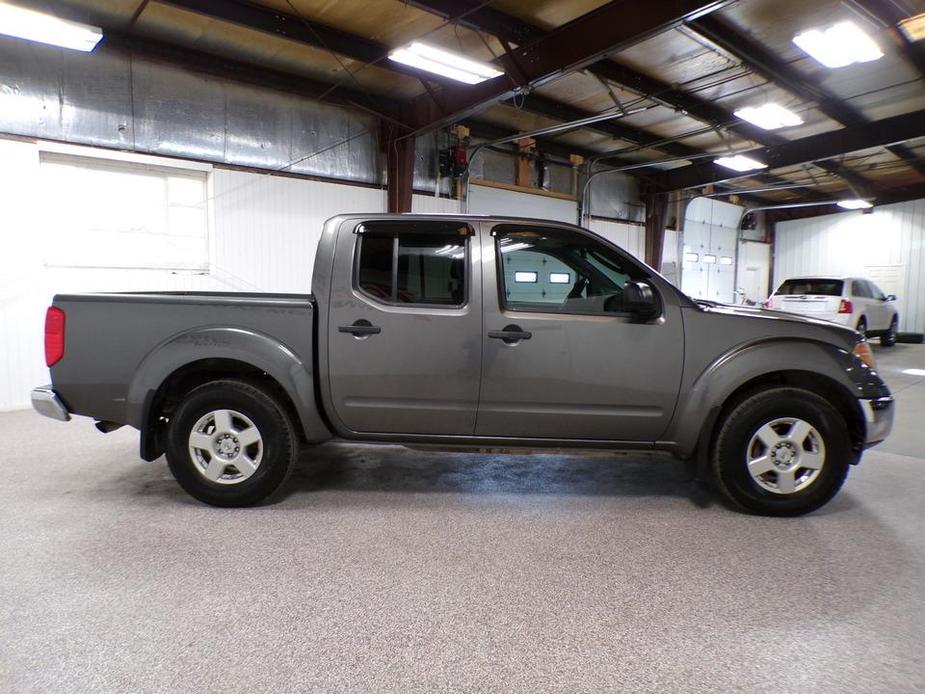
[(782, 452), (231, 444)]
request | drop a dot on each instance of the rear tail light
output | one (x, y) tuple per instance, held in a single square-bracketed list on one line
[(54, 335), (845, 306)]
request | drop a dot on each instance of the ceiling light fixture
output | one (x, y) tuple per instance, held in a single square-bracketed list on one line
[(914, 27), (740, 162), (839, 45), (769, 116), (31, 25), (445, 63), (854, 204)]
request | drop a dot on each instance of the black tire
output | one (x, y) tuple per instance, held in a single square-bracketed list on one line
[(862, 326), (888, 339), (729, 455), (279, 443)]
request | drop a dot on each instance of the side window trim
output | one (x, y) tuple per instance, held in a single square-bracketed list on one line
[(416, 228)]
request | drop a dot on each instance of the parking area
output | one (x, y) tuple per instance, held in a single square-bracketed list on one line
[(386, 569)]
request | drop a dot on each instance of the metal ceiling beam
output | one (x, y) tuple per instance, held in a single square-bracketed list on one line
[(301, 30), (882, 133), (476, 16), (297, 29), (550, 108), (889, 14), (774, 68), (211, 64), (572, 46)]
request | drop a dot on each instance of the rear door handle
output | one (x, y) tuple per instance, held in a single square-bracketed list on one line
[(360, 328), (510, 334)]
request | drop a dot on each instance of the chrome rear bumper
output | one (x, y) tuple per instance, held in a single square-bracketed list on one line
[(878, 413), (46, 402)]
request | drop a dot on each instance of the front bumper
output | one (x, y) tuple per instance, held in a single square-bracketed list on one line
[(878, 414), (46, 402)]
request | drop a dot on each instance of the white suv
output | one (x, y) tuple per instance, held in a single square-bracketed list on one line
[(851, 301)]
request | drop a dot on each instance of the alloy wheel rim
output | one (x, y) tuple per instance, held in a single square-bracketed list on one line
[(785, 455), (225, 447)]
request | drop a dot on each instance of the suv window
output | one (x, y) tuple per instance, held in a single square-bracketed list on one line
[(860, 289), (810, 286), (425, 267), (559, 271), (875, 291)]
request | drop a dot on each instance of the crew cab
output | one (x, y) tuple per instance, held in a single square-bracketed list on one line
[(460, 333)]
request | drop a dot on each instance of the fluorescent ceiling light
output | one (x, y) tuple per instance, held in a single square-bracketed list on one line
[(442, 62), (914, 27), (854, 204), (45, 28), (839, 45), (691, 258), (769, 116), (560, 278), (740, 162), (709, 259), (524, 276), (725, 260)]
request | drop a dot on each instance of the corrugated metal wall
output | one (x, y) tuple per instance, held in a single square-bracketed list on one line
[(110, 98), (872, 245)]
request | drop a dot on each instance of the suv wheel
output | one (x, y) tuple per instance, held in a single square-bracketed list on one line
[(781, 452), (231, 444), (888, 339)]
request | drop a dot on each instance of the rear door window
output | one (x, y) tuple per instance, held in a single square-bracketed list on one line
[(418, 264), (811, 287)]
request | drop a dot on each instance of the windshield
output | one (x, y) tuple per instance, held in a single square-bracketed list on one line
[(816, 287)]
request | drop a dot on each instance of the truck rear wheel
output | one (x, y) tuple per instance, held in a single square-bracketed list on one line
[(231, 444), (782, 452)]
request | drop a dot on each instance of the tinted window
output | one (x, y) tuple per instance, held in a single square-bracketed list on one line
[(375, 269), (875, 291), (860, 289), (555, 270), (430, 270), (815, 287), (413, 268)]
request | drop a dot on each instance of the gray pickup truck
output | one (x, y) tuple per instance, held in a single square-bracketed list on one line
[(463, 333)]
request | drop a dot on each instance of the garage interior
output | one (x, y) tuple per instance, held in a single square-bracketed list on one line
[(199, 145)]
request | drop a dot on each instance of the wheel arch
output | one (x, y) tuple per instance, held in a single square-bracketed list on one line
[(191, 359), (823, 368)]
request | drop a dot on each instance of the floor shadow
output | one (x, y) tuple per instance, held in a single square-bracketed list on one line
[(396, 469)]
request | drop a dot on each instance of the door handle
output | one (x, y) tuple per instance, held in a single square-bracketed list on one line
[(360, 328), (510, 334)]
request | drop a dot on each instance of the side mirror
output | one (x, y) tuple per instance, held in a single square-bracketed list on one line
[(639, 299), (890, 297)]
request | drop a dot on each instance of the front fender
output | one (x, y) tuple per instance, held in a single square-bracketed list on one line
[(713, 385), (219, 342)]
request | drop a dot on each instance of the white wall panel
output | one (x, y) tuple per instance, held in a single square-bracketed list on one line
[(851, 243), (264, 232), (428, 204), (486, 200), (629, 237), (267, 227)]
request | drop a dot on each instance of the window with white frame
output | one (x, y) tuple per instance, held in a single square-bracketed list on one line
[(117, 214)]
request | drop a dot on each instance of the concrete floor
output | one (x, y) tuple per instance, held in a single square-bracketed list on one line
[(386, 570)]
